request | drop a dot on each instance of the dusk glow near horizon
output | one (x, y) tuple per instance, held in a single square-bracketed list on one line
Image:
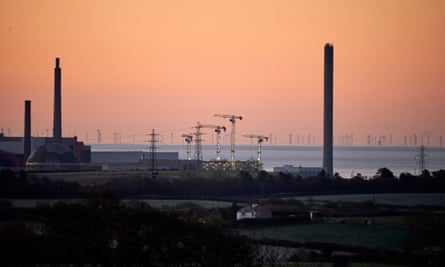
[(131, 66)]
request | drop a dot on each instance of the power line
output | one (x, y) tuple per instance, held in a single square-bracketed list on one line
[(153, 141), (422, 159)]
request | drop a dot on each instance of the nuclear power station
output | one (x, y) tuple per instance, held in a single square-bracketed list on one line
[(56, 153)]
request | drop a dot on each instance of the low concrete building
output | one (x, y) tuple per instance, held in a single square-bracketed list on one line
[(302, 171), (139, 160), (46, 150), (129, 156)]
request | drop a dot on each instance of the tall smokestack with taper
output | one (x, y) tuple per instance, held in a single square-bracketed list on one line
[(57, 126), (328, 164), (27, 135)]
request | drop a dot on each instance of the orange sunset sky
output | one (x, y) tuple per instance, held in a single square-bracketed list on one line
[(130, 66)]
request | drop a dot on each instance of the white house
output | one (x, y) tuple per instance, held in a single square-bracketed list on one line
[(253, 212)]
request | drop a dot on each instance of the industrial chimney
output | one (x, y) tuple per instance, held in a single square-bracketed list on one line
[(328, 109), (27, 135), (57, 126)]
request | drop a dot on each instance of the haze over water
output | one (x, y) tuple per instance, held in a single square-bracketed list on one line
[(348, 160)]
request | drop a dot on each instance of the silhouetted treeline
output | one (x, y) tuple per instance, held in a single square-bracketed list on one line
[(264, 183), (21, 185), (101, 230)]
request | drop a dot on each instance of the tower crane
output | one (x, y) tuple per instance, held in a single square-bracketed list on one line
[(188, 138), (218, 137), (232, 119), (260, 139)]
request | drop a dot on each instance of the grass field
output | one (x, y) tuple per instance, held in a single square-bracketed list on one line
[(346, 234), (207, 204), (101, 177), (157, 203), (406, 199), (394, 199), (328, 264), (400, 222)]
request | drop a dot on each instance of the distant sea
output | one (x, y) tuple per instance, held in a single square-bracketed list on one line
[(348, 160)]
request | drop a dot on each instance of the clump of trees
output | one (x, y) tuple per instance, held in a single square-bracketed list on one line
[(21, 185), (102, 230)]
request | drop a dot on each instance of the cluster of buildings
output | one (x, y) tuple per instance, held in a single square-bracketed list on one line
[(55, 153)]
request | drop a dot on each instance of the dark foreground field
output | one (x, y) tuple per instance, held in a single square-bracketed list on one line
[(105, 230), (64, 222)]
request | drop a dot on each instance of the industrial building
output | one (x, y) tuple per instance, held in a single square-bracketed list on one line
[(12, 149), (139, 160), (301, 171), (55, 153)]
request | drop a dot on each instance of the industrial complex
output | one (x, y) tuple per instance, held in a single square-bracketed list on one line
[(55, 153), (59, 153)]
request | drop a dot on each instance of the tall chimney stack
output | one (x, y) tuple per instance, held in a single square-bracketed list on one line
[(27, 135), (328, 164), (57, 126)]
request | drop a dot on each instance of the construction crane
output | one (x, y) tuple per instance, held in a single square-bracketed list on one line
[(260, 139), (232, 119), (218, 137), (188, 138)]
